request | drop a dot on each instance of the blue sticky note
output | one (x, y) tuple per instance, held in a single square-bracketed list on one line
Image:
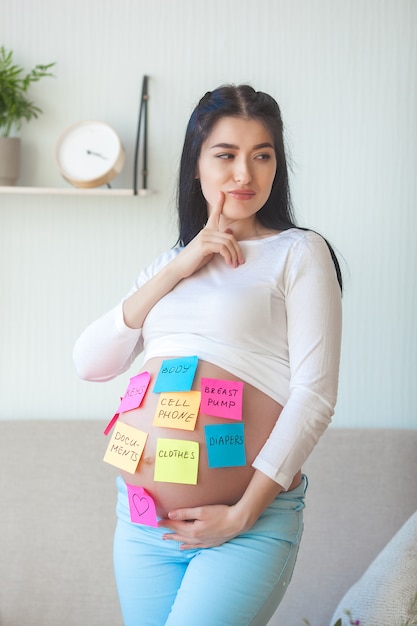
[(176, 374), (225, 445)]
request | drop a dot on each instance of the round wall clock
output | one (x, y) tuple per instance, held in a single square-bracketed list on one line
[(90, 154)]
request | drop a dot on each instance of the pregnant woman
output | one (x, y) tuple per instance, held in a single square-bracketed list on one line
[(256, 302)]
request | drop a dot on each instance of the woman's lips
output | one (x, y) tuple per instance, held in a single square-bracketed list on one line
[(242, 194)]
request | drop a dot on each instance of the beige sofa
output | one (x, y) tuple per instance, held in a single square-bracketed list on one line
[(57, 520)]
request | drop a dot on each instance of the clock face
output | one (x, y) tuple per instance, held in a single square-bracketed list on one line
[(90, 154)]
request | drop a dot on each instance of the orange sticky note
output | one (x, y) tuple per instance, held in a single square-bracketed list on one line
[(178, 409), (125, 447)]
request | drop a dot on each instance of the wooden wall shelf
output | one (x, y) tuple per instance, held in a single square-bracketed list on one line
[(72, 191)]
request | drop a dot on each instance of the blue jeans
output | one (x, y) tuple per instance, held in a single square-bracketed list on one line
[(239, 583)]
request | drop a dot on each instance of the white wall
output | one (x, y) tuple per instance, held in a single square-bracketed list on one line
[(344, 73)]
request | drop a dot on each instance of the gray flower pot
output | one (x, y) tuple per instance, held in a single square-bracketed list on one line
[(9, 160)]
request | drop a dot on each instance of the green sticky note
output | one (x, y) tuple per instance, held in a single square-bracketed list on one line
[(176, 461)]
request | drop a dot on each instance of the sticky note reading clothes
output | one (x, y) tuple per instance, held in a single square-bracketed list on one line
[(135, 392), (176, 374), (177, 410), (222, 398), (142, 506), (225, 445), (176, 461), (125, 447)]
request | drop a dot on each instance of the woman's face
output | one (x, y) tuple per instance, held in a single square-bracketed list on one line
[(238, 159)]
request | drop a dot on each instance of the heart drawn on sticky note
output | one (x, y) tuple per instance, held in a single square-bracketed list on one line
[(141, 504)]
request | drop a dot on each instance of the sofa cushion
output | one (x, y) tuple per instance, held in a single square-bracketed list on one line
[(57, 522), (361, 491), (386, 594)]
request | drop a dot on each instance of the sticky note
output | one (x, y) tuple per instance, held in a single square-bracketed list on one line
[(135, 392), (225, 445), (125, 447), (178, 409), (176, 374), (141, 506), (176, 461), (222, 398), (111, 423)]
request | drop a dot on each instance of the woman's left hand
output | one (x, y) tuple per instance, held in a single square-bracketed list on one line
[(214, 524), (202, 527)]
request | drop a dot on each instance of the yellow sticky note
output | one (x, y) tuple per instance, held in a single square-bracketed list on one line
[(125, 447), (176, 461), (177, 409)]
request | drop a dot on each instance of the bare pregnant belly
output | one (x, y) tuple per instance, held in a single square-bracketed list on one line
[(218, 485)]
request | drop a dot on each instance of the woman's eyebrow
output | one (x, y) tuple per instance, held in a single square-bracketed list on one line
[(232, 146)]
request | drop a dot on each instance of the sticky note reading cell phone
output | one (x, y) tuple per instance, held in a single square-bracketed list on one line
[(125, 447), (135, 392), (178, 409), (176, 374), (141, 506), (222, 398), (176, 461), (225, 445)]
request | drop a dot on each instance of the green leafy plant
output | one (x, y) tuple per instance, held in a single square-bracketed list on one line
[(15, 105)]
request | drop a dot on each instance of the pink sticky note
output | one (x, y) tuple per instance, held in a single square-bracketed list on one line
[(111, 423), (142, 506), (135, 392), (221, 398)]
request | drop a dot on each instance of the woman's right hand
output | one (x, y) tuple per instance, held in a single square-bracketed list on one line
[(210, 241)]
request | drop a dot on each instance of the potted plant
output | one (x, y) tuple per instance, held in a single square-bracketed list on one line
[(15, 106)]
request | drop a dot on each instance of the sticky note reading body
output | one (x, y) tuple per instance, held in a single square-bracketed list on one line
[(142, 506), (176, 461), (177, 410), (225, 445), (176, 374), (135, 392), (222, 398), (125, 447)]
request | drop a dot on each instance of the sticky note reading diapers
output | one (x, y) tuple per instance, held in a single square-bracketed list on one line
[(225, 445)]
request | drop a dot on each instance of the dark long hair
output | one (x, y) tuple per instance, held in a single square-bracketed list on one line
[(244, 102)]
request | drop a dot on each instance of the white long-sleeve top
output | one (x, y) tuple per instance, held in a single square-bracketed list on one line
[(274, 321)]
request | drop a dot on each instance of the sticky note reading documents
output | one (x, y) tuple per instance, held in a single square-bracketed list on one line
[(125, 447)]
